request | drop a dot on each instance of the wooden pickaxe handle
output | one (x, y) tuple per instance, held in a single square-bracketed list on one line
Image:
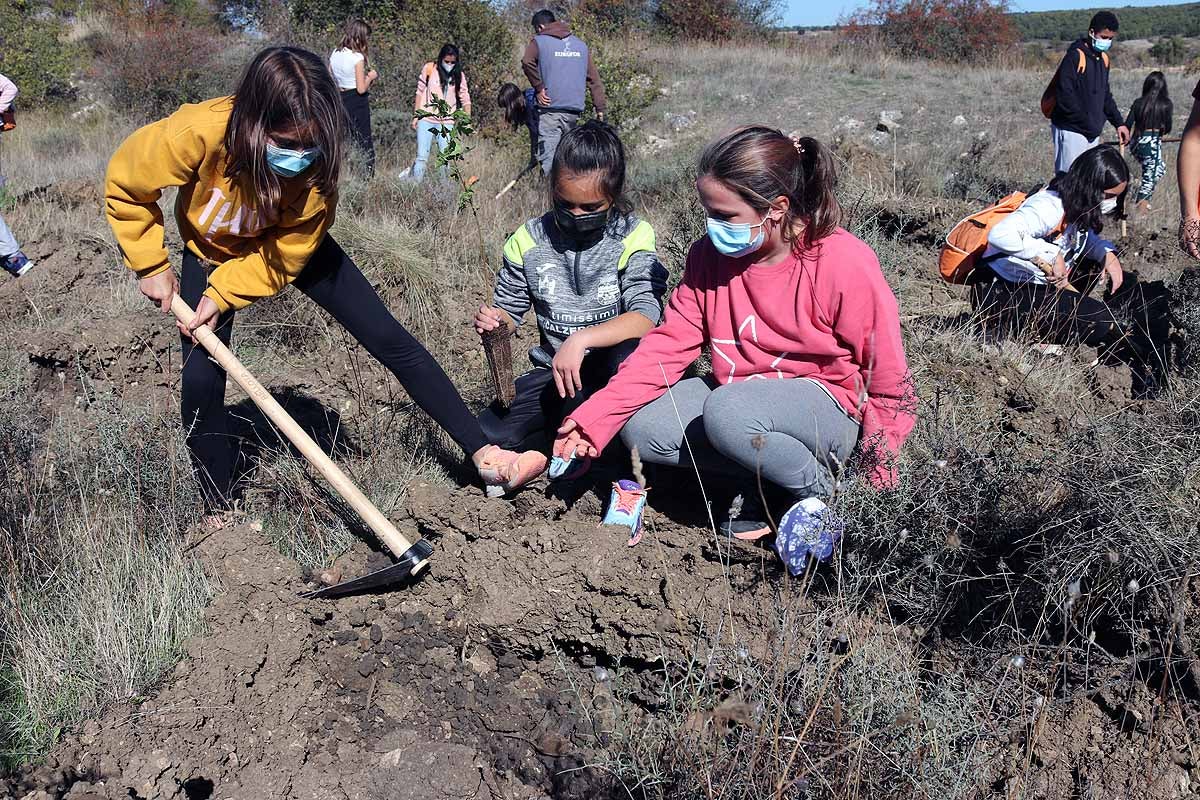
[(341, 483)]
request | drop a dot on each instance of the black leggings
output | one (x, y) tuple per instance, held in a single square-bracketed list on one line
[(333, 281), (358, 109), (1131, 325), (537, 411)]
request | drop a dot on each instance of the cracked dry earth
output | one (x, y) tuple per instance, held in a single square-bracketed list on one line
[(480, 681)]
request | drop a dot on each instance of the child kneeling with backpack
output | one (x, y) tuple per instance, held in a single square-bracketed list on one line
[(1034, 271)]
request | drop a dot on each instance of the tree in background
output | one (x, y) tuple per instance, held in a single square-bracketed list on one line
[(33, 52), (1170, 52), (716, 20), (940, 30)]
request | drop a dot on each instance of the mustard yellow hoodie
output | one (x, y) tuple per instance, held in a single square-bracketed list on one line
[(256, 253)]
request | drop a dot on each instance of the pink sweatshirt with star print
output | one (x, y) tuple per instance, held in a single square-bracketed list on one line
[(828, 315)]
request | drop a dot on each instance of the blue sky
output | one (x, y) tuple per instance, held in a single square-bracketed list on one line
[(827, 12)]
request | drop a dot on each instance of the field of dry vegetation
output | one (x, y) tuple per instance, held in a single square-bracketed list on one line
[(1015, 620)]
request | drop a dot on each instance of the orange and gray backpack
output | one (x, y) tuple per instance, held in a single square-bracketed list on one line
[(963, 249), (1050, 96)]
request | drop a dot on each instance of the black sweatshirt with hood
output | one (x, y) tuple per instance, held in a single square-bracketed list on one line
[(1083, 101)]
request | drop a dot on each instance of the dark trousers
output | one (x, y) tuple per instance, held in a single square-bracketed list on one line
[(333, 281), (1132, 324), (358, 109), (537, 411)]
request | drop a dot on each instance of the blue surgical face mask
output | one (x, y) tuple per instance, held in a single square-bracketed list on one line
[(290, 163), (734, 239), (1101, 45)]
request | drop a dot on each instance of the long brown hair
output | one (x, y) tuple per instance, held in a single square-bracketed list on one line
[(283, 88), (761, 163), (356, 36)]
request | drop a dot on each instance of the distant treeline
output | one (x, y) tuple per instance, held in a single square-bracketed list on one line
[(1149, 22)]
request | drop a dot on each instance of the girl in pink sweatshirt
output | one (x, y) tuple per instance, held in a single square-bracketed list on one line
[(807, 359)]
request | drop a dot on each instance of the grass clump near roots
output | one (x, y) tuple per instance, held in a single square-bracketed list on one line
[(99, 593)]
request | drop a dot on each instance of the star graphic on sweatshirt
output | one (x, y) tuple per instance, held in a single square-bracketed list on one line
[(752, 323)]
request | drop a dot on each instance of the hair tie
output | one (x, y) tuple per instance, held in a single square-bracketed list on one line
[(796, 144)]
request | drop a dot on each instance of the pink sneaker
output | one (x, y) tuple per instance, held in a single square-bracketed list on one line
[(504, 471)]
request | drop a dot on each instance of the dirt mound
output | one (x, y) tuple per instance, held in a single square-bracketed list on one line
[(454, 687)]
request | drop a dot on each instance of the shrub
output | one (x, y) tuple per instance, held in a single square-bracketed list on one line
[(715, 20), (940, 30), (151, 65), (1170, 52), (629, 86), (33, 52)]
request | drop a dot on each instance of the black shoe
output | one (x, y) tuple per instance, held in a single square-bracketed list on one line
[(746, 519)]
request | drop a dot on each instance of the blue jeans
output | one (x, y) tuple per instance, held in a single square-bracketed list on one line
[(426, 131), (8, 242)]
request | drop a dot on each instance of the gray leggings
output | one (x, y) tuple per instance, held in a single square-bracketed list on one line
[(806, 436)]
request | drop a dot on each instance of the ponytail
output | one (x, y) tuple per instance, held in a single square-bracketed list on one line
[(761, 163), (819, 210)]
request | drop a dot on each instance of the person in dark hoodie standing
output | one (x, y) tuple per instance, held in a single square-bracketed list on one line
[(1080, 96), (560, 69)]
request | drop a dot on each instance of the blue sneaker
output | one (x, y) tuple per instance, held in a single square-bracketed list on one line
[(17, 264), (809, 528), (568, 469), (625, 508)]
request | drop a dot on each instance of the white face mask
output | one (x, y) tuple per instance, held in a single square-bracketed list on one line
[(1108, 205), (448, 66)]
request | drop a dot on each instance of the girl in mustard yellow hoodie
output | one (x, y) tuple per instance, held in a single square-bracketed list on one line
[(257, 175)]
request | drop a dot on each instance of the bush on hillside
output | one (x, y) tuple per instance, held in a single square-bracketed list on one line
[(33, 53), (958, 31), (151, 64), (715, 20), (1170, 52)]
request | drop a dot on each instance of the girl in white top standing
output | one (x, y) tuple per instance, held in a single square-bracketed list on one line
[(353, 78), (1040, 253)]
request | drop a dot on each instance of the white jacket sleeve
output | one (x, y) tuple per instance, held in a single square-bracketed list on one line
[(1022, 233), (8, 93)]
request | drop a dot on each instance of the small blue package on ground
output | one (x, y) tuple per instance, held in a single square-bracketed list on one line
[(626, 505)]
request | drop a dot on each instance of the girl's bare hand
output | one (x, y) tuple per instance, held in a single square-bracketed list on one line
[(1189, 236), (160, 288), (206, 314), (487, 319), (568, 362), (571, 442)]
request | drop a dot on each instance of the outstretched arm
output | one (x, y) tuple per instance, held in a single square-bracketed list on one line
[(1188, 173)]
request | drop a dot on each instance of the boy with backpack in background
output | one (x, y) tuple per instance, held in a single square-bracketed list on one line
[(560, 69), (1078, 100)]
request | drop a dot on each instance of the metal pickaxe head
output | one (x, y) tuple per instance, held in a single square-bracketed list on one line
[(409, 565)]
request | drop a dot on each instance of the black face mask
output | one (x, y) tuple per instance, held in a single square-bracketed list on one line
[(581, 226)]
